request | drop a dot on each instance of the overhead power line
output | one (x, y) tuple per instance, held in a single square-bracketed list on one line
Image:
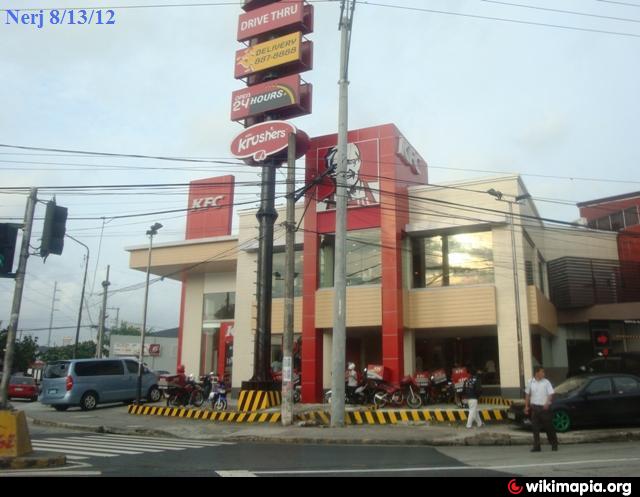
[(560, 11), (500, 19)]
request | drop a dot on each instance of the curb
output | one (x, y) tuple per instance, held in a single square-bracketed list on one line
[(224, 416), (377, 417), (33, 462), (404, 416)]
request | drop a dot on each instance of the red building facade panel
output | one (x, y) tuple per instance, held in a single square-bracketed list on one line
[(382, 166)]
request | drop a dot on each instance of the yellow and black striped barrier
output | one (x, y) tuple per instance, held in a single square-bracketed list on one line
[(258, 400), (364, 417), (393, 417), (500, 401), (224, 416)]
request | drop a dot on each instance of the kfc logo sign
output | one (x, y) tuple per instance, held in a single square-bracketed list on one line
[(210, 207), (207, 202), (410, 156)]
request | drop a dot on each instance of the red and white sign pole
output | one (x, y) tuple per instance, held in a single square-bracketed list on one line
[(266, 144)]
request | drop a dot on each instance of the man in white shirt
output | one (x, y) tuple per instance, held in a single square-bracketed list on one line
[(539, 395)]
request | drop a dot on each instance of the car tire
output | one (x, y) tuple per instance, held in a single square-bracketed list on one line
[(154, 394), (89, 401), (561, 421), (33, 399), (61, 408)]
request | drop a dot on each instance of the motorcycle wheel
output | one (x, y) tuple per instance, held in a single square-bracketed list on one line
[(173, 401), (414, 401), (327, 397), (380, 399), (296, 396), (220, 405), (196, 398)]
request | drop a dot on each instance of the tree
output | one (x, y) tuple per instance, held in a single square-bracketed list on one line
[(86, 350), (25, 351), (124, 329)]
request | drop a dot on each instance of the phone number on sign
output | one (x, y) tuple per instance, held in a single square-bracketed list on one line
[(58, 17)]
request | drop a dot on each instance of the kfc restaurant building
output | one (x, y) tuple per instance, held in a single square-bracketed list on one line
[(430, 278)]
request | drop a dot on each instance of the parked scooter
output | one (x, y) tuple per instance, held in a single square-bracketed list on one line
[(217, 398)]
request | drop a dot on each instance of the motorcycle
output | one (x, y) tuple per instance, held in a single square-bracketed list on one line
[(362, 394), (441, 390), (276, 376), (407, 392), (183, 395), (217, 398), (459, 376)]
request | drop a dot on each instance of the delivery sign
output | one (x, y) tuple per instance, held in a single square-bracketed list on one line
[(272, 53)]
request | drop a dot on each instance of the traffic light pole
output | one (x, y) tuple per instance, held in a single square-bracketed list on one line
[(17, 298)]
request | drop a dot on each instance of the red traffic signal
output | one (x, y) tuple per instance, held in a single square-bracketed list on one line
[(602, 339)]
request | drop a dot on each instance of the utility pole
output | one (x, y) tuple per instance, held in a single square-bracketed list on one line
[(289, 289), (84, 284), (117, 309), (516, 284), (53, 308), (17, 298), (151, 232), (340, 286), (103, 315)]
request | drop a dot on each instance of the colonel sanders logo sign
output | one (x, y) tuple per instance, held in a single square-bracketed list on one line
[(362, 177)]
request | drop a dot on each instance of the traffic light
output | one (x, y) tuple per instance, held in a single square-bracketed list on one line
[(55, 221), (601, 342), (8, 237)]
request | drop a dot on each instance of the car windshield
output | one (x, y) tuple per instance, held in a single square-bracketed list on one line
[(570, 386), (21, 380), (56, 370)]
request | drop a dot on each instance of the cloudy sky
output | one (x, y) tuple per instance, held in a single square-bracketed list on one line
[(551, 92)]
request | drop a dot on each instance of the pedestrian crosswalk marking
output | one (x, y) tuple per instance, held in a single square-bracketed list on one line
[(113, 445)]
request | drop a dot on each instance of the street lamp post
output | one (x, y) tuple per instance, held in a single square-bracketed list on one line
[(84, 284), (150, 233), (516, 284)]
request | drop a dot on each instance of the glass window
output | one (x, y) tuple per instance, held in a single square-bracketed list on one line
[(364, 266), (541, 272), (22, 380), (601, 386), (460, 259), (624, 385), (278, 275), (327, 252), (363, 258), (631, 217), (603, 223), (132, 367), (56, 370), (219, 306), (617, 222)]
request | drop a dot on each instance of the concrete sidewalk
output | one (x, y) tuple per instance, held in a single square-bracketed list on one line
[(118, 420)]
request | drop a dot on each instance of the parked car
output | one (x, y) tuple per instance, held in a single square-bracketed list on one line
[(591, 400), (625, 362), (23, 387), (89, 382)]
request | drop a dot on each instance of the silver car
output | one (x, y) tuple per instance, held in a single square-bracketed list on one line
[(89, 382)]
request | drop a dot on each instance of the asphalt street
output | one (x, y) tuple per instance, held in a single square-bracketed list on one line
[(91, 454)]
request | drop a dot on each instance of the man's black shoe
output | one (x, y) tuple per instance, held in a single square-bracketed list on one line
[(535, 449)]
